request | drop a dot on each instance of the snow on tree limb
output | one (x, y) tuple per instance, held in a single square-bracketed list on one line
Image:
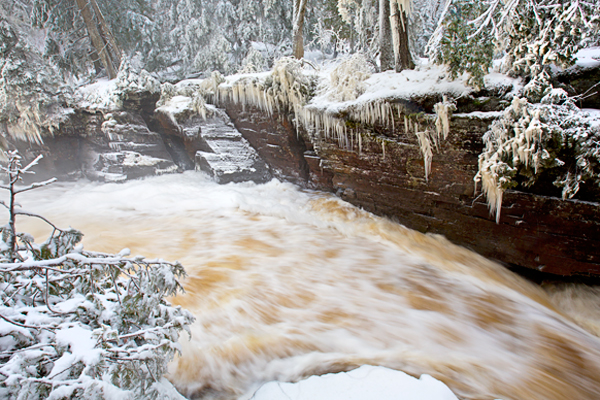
[(533, 35), (68, 317)]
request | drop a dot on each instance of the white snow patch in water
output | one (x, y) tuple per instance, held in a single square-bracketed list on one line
[(364, 383)]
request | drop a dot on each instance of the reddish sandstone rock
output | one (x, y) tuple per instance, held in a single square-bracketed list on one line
[(543, 233)]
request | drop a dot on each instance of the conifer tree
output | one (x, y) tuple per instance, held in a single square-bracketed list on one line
[(80, 324), (101, 36), (533, 34)]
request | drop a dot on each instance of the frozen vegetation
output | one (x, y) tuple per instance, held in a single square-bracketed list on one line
[(81, 324)]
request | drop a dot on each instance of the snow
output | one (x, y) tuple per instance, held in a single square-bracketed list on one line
[(480, 115), (364, 383), (136, 159), (426, 80), (588, 58), (80, 342), (99, 95), (176, 105)]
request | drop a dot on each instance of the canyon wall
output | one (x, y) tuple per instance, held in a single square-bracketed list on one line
[(378, 168), (383, 172)]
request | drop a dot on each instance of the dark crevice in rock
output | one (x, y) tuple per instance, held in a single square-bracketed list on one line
[(581, 82), (177, 150)]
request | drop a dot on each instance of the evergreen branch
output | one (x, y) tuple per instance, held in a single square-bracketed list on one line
[(130, 335), (42, 286)]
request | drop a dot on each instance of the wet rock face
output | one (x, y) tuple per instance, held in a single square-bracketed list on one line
[(386, 176), (229, 157), (277, 142), (134, 142), (112, 147), (212, 145)]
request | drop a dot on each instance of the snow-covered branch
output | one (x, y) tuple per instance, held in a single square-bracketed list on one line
[(71, 314)]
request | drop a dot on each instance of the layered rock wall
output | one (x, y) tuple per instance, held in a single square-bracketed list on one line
[(382, 171)]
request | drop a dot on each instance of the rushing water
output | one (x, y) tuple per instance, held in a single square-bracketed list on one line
[(286, 283)]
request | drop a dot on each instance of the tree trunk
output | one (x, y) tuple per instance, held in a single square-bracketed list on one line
[(96, 60), (386, 56), (399, 22), (298, 34), (109, 61), (107, 34)]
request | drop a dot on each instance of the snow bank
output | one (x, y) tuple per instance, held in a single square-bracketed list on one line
[(99, 95), (588, 58), (364, 383)]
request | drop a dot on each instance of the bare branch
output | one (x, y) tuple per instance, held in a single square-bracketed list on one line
[(33, 215), (10, 321), (32, 164), (35, 186)]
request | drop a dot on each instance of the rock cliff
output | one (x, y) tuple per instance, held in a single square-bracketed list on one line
[(378, 168), (382, 171)]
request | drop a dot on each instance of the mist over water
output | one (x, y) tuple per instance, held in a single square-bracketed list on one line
[(286, 283)]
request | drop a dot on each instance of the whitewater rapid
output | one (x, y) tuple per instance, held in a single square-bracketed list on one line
[(286, 283)]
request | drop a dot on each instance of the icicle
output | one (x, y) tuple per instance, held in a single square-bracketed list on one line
[(359, 143), (383, 149), (426, 151)]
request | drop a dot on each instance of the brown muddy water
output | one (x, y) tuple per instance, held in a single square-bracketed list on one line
[(286, 283)]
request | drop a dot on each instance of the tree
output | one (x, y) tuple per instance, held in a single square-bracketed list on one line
[(80, 324), (101, 36), (533, 34), (362, 17), (31, 85), (298, 28), (386, 56), (399, 11)]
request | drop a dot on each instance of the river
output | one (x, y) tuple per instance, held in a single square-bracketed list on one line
[(286, 283)]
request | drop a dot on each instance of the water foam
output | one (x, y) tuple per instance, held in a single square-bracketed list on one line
[(286, 283)]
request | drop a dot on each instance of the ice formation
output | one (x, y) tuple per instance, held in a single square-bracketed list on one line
[(289, 87), (347, 79), (518, 143), (527, 134), (33, 121), (429, 139)]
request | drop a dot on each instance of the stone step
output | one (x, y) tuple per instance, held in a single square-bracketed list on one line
[(132, 146), (122, 165), (228, 167), (229, 157)]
